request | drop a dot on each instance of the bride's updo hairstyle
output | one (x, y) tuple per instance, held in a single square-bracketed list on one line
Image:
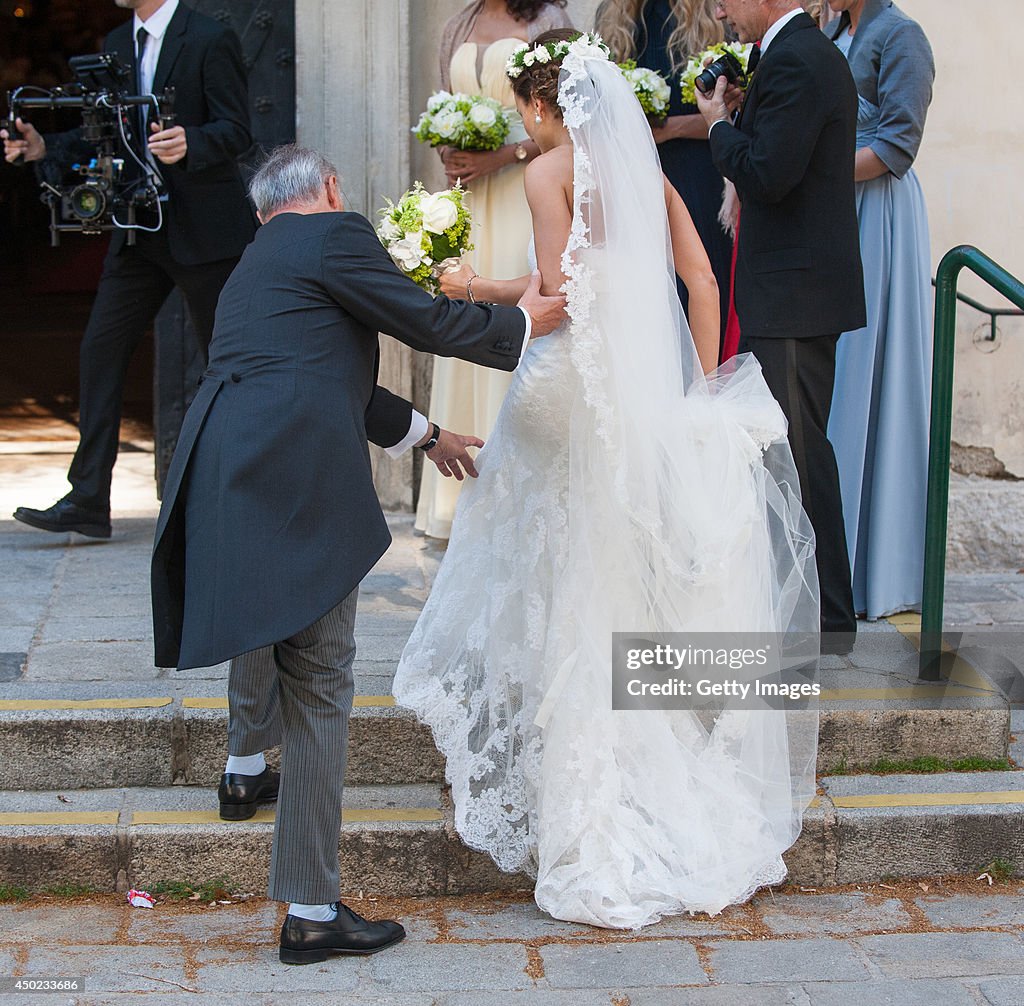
[(539, 78)]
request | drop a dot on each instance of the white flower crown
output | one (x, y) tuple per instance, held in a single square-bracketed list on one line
[(584, 44)]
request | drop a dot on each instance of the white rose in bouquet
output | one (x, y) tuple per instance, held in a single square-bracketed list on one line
[(439, 212), (389, 231), (436, 100), (408, 253), (483, 116), (448, 123)]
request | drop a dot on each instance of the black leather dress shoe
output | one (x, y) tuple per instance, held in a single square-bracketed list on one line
[(306, 942), (66, 515), (240, 795)]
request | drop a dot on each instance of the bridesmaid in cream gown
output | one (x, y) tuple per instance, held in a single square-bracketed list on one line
[(474, 48)]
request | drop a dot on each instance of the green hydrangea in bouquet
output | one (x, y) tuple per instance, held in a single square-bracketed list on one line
[(695, 66), (426, 232), (466, 121), (651, 89)]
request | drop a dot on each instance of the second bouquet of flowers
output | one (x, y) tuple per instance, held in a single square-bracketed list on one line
[(696, 66), (651, 89), (466, 121), (426, 232)]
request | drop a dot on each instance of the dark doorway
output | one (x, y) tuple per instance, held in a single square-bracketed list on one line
[(47, 291)]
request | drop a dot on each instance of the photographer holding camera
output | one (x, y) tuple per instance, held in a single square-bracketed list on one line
[(204, 216), (799, 279)]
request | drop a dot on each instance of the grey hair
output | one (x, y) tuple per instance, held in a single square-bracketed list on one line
[(291, 175)]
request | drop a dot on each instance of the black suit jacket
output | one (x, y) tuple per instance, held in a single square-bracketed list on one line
[(269, 517), (798, 265), (208, 215)]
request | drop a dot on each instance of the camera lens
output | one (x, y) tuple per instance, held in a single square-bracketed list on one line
[(87, 202), (727, 66)]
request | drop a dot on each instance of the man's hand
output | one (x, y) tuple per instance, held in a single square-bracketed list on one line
[(31, 146), (713, 106), (450, 454), (168, 145), (546, 313)]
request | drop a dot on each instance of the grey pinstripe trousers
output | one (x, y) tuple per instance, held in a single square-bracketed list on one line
[(298, 693)]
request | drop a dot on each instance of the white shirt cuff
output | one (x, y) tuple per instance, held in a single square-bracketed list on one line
[(529, 330), (417, 431), (717, 122)]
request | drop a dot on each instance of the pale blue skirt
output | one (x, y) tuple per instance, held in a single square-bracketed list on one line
[(880, 410)]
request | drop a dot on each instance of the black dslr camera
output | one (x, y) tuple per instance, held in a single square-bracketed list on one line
[(728, 66), (114, 185)]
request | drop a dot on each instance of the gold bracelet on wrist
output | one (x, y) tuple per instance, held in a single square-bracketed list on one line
[(469, 289)]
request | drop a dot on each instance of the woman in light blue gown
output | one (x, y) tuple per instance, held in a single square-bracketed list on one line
[(879, 420)]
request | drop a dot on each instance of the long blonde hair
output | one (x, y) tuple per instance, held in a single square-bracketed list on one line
[(696, 28), (814, 8)]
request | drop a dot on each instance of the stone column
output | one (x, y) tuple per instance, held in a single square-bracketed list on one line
[(352, 82)]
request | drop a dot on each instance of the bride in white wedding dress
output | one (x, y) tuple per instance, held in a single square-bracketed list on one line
[(621, 490)]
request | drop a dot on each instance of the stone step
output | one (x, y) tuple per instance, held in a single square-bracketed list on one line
[(131, 734), (400, 840)]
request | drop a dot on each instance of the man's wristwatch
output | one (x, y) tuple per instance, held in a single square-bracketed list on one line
[(521, 153), (432, 442)]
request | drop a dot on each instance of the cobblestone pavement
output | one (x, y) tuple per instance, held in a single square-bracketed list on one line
[(902, 943)]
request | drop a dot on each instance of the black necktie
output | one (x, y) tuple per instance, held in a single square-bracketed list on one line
[(140, 110), (754, 59)]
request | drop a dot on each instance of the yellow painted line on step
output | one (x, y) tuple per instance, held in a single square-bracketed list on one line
[(360, 701), (350, 815), (11, 705), (927, 799), (60, 817), (920, 692), (910, 620), (366, 701), (354, 815)]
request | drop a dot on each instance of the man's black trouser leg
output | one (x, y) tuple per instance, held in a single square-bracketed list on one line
[(130, 293), (134, 285), (801, 376)]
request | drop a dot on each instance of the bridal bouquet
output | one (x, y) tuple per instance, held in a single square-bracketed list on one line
[(426, 232), (466, 121), (696, 66), (651, 89)]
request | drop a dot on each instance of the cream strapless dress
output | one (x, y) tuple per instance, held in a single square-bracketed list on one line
[(466, 398)]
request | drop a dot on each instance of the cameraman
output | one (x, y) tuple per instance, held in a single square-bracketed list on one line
[(207, 222)]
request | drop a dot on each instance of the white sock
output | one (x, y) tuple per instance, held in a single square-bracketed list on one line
[(315, 913), (246, 764)]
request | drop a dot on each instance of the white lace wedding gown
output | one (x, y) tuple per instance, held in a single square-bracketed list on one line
[(619, 491)]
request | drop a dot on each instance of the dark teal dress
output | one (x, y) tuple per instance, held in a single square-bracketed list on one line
[(687, 163)]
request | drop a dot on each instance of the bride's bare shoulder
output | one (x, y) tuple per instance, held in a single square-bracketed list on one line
[(551, 171)]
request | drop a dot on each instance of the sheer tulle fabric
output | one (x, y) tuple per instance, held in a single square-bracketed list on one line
[(600, 507)]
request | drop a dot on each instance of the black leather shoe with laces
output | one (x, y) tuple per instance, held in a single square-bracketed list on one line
[(306, 942)]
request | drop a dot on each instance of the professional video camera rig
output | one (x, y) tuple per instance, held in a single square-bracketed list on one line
[(110, 196)]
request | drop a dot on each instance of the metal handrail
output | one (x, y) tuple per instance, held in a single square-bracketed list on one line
[(992, 312), (936, 520)]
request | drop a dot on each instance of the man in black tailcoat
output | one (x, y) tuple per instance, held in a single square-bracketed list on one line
[(270, 519)]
